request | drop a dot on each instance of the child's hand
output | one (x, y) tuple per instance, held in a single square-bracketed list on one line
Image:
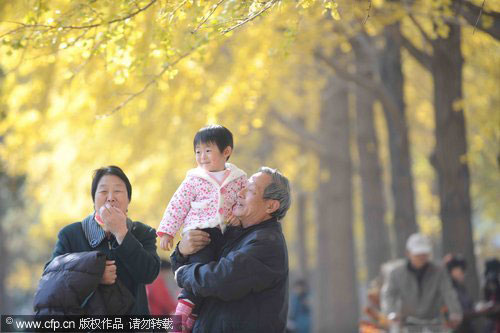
[(166, 242), (233, 221)]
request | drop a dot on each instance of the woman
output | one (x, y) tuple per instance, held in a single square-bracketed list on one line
[(126, 252)]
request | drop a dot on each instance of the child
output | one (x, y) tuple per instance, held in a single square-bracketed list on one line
[(204, 201)]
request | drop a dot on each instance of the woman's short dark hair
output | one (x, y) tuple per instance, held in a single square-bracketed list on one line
[(218, 134), (110, 170)]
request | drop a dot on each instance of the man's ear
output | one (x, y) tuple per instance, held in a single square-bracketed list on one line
[(272, 206)]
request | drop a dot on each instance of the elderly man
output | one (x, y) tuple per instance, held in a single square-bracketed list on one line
[(246, 290), (417, 288)]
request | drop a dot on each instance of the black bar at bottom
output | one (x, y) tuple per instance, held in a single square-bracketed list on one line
[(73, 323)]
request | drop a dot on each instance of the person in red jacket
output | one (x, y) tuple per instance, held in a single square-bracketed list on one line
[(160, 299)]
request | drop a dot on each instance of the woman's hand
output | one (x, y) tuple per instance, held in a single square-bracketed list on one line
[(109, 276), (115, 221), (193, 241)]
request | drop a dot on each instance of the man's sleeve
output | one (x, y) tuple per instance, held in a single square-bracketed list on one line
[(450, 296), (255, 267), (389, 294), (138, 254)]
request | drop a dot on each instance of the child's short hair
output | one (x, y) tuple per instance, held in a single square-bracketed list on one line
[(218, 134)]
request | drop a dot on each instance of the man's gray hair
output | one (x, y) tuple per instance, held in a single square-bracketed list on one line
[(278, 189)]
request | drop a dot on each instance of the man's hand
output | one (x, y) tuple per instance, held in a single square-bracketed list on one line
[(109, 276), (193, 241), (234, 221), (166, 242), (115, 221)]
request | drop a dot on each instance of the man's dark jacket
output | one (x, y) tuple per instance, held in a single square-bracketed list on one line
[(70, 285), (246, 290), (137, 262)]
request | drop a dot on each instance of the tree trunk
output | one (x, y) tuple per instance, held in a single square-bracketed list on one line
[(336, 302), (402, 182), (300, 247), (377, 249), (450, 155), (4, 253), (4, 261)]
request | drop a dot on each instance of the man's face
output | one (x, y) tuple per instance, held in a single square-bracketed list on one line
[(419, 260), (250, 207)]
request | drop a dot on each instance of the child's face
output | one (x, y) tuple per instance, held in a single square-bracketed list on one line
[(210, 158)]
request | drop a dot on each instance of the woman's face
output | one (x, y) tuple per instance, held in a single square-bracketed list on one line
[(111, 189)]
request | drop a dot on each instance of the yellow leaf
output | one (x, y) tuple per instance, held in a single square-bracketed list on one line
[(487, 21), (443, 30), (257, 123), (335, 14)]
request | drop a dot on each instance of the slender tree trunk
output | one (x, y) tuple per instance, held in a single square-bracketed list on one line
[(336, 301), (377, 249), (450, 155), (3, 272), (402, 182), (301, 247), (4, 257), (4, 253)]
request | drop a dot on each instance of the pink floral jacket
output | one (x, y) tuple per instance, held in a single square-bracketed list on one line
[(201, 202)]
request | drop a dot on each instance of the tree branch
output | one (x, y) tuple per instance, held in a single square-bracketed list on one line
[(176, 9), (472, 13), (146, 87), (251, 17), (421, 29), (306, 138), (363, 40), (87, 61), (377, 89), (214, 8), (421, 56), (368, 12), (74, 27), (13, 30), (478, 17), (359, 80), (432, 42)]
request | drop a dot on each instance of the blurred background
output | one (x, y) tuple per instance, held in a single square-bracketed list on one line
[(385, 116)]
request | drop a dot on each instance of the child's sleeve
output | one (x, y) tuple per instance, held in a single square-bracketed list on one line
[(177, 209), (242, 182)]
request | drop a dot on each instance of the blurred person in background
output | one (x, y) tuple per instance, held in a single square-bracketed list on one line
[(456, 266), (160, 298), (299, 319), (417, 288), (376, 321), (491, 306)]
